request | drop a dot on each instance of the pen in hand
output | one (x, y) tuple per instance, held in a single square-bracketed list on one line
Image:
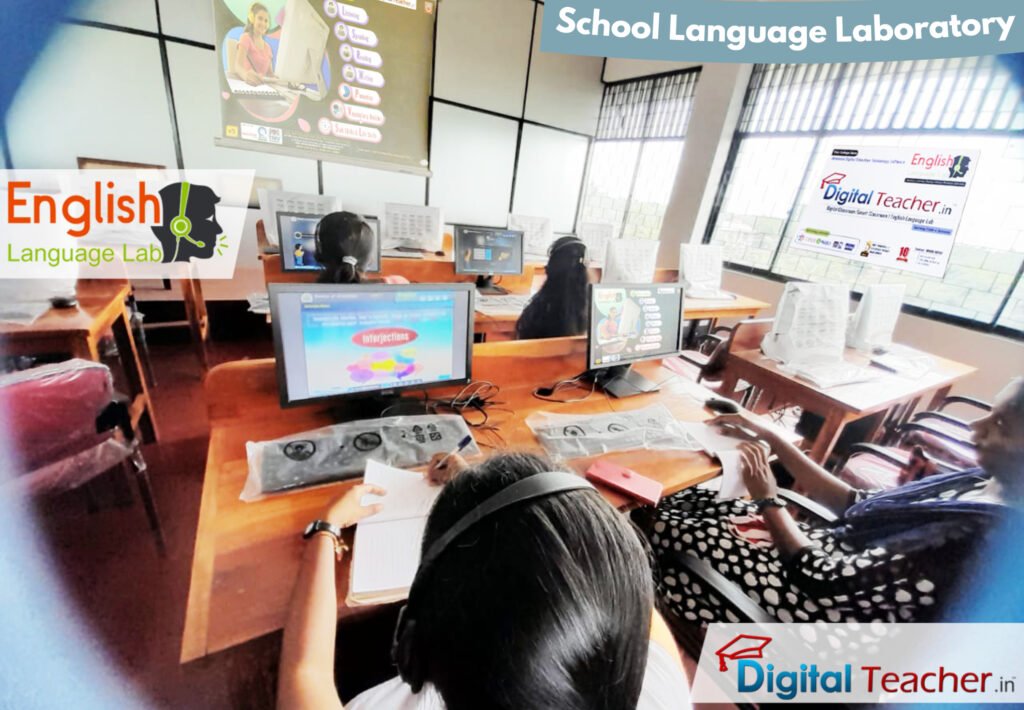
[(466, 440)]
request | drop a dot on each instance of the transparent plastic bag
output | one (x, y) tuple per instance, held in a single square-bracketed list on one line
[(339, 452), (72, 472), (569, 436), (47, 412)]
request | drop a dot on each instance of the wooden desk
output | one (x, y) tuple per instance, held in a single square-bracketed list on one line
[(247, 554), (845, 403), (77, 332)]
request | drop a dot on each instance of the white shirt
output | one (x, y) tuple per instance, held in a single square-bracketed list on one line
[(665, 688)]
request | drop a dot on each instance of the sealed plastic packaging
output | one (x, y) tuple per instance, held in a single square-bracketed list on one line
[(569, 436), (48, 415), (339, 452)]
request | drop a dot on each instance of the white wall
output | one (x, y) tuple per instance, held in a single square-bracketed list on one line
[(997, 358), (100, 93)]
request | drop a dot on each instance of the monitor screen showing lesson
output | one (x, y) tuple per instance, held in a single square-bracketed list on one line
[(334, 341), (634, 322), (297, 232), (480, 250)]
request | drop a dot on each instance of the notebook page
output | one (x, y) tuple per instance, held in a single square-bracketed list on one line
[(386, 556), (409, 495)]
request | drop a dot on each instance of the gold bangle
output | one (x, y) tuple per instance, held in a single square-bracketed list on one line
[(339, 544)]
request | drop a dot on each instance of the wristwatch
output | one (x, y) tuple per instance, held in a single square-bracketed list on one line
[(322, 527), (774, 502)]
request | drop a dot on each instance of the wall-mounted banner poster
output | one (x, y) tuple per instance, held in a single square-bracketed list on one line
[(895, 207), (345, 81)]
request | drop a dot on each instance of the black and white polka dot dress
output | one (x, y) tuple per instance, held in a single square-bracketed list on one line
[(830, 581)]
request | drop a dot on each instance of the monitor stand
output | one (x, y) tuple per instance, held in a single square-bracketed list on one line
[(486, 285), (622, 381), (377, 406)]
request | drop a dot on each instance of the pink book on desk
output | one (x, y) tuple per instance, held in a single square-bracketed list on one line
[(626, 481)]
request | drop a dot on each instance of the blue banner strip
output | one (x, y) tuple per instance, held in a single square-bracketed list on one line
[(782, 32)]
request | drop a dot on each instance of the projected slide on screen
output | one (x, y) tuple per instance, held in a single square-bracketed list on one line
[(346, 81), (634, 323), (361, 343)]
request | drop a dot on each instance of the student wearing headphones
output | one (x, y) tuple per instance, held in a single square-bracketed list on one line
[(560, 307), (532, 592), (344, 243)]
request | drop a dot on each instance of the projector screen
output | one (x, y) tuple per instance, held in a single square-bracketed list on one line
[(340, 81)]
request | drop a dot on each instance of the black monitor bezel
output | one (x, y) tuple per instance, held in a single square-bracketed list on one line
[(590, 324), (313, 215), (461, 269), (276, 289)]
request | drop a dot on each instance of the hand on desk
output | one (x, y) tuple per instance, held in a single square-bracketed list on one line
[(347, 510), (439, 474), (742, 425), (757, 475)]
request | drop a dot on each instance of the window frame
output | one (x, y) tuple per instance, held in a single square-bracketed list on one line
[(642, 141), (823, 133)]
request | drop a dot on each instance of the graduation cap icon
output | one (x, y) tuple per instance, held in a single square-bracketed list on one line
[(743, 646), (833, 179)]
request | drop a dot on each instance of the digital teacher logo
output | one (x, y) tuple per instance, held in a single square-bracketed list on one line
[(189, 228), (858, 663)]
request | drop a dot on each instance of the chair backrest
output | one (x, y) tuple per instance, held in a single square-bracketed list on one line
[(748, 334), (45, 408), (745, 335)]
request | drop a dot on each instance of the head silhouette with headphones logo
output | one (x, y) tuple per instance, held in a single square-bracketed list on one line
[(190, 229)]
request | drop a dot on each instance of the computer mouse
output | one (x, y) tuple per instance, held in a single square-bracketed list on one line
[(722, 406), (64, 302)]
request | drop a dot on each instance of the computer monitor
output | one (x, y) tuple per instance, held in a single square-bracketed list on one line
[(300, 53), (874, 322), (297, 234), (488, 252), (369, 341), (630, 323)]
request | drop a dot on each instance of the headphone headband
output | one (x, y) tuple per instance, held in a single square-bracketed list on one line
[(530, 488), (571, 242)]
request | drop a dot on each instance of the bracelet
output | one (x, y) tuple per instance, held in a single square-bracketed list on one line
[(339, 544), (762, 503)]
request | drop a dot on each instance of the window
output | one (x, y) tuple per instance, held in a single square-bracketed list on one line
[(636, 152), (795, 114)]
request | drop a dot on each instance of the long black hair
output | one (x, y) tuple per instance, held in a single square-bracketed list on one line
[(560, 307), (340, 238), (546, 605)]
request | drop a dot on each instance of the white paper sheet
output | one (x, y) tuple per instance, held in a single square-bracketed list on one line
[(387, 545), (630, 261), (732, 479), (537, 235), (409, 494), (413, 226), (386, 557), (274, 201), (596, 236)]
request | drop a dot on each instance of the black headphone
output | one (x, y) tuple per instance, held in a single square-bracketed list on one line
[(570, 242), (537, 486)]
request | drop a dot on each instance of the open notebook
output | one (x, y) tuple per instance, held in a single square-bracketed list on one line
[(387, 545)]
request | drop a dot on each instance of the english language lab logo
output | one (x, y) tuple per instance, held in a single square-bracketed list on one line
[(189, 226), (961, 164)]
